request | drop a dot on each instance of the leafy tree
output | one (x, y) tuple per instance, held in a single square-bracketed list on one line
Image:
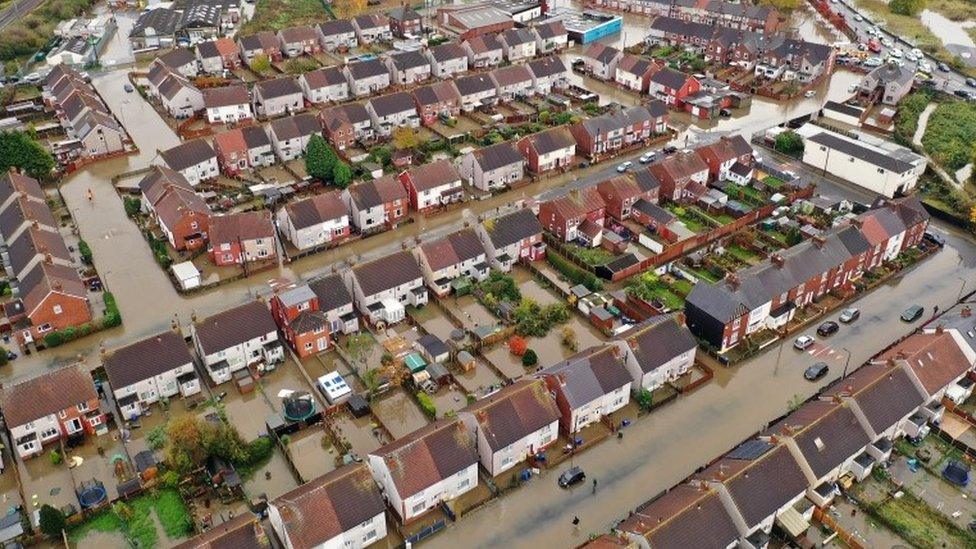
[(644, 399), (55, 457), (156, 437), (789, 142), (184, 443), (320, 159), (530, 359), (51, 521), (518, 345), (381, 155), (405, 137), (261, 63), (341, 175), (906, 7), (22, 151)]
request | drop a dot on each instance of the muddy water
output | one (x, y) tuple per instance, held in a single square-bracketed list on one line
[(479, 379), (660, 451), (310, 458), (358, 432), (281, 480), (398, 412)]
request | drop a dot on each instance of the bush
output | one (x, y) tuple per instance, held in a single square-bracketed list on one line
[(132, 206), (85, 251), (156, 437), (910, 8), (789, 142), (517, 345), (53, 339), (51, 521), (113, 317), (169, 479), (259, 450), (573, 273), (530, 359), (427, 405), (501, 286), (55, 457), (644, 399)]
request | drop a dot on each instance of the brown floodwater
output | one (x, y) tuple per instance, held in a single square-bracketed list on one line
[(399, 413)]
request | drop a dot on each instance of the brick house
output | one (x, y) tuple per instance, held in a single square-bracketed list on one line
[(436, 100), (673, 87), (404, 21), (578, 216), (723, 154), (345, 125), (303, 325), (768, 294), (242, 149), (238, 238), (620, 193), (432, 185), (615, 130), (382, 202), (683, 176), (52, 406), (183, 218), (217, 55), (553, 149), (512, 237), (634, 73)]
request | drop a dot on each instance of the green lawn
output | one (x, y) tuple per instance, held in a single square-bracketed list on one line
[(669, 298), (777, 235), (773, 182), (745, 193), (690, 221), (275, 15), (682, 287), (140, 527), (704, 275), (590, 256), (743, 254)]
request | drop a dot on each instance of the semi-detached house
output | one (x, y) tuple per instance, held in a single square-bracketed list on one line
[(455, 256), (52, 406), (407, 67), (657, 351), (195, 160), (552, 149), (432, 185), (550, 37), (263, 43), (484, 51), (238, 238), (518, 44), (512, 424), (376, 204), (477, 90), (295, 41), (277, 97), (494, 167), (383, 287), (315, 221), (600, 61), (227, 104), (391, 111), (337, 34), (447, 60), (289, 136), (617, 130), (437, 100), (324, 85), (236, 339), (577, 216), (513, 82), (347, 506), (304, 326), (512, 237), (158, 367), (634, 73), (372, 28), (179, 97), (434, 464), (367, 77), (548, 73), (345, 125), (588, 386)]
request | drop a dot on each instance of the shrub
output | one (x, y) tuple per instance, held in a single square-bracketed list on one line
[(156, 437), (113, 317), (500, 285), (530, 359), (51, 521), (53, 339), (950, 134), (56, 458), (906, 7), (259, 450), (427, 405), (517, 345), (644, 399), (169, 479), (85, 251), (132, 206), (789, 142), (573, 273)]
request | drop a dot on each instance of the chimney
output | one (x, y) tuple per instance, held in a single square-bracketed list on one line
[(819, 241), (777, 259), (940, 328), (857, 222), (680, 317), (732, 280), (966, 312), (901, 355), (174, 325)]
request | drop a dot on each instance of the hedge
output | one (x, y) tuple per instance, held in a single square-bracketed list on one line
[(574, 273), (111, 319), (427, 405)]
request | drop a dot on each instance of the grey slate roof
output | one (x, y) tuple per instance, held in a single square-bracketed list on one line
[(474, 84), (278, 87), (547, 66), (589, 375), (447, 52), (372, 68), (143, 359), (332, 292), (163, 21), (234, 326), (188, 154), (387, 272), (497, 156), (514, 227), (669, 78), (658, 340), (613, 121), (513, 413), (871, 156), (394, 103), (404, 60)]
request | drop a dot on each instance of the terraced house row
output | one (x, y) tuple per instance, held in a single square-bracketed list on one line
[(794, 465), (92, 130)]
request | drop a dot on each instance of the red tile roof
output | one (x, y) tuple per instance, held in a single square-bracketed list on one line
[(46, 394)]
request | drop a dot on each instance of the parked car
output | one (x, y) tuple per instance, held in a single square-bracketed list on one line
[(971, 82), (963, 94), (809, 93), (670, 149), (828, 328), (935, 238), (913, 313), (571, 476), (917, 53), (647, 157), (584, 164), (803, 342), (815, 372), (886, 42), (858, 18), (943, 67), (128, 88), (872, 62), (850, 315), (624, 166)]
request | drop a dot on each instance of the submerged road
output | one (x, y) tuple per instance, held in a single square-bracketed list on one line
[(662, 449)]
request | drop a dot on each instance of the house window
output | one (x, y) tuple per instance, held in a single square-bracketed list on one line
[(62, 414), (308, 345), (464, 483), (419, 507)]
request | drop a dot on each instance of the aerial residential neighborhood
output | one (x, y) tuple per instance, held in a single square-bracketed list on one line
[(605, 273)]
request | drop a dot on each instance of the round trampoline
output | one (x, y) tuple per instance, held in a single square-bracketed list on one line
[(298, 406), (92, 495)]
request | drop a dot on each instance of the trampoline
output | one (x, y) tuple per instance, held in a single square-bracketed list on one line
[(957, 473), (92, 494), (298, 406)]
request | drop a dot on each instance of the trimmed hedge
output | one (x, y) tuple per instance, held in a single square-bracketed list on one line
[(574, 273)]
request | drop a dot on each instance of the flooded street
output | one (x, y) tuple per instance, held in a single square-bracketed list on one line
[(675, 440)]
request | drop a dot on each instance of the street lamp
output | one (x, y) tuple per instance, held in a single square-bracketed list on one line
[(847, 362)]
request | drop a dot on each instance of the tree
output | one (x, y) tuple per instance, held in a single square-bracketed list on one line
[(906, 7), (184, 443), (347, 9), (517, 345), (51, 521), (569, 338), (320, 159), (405, 137), (789, 142), (261, 63), (530, 359), (341, 175), (20, 150)]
